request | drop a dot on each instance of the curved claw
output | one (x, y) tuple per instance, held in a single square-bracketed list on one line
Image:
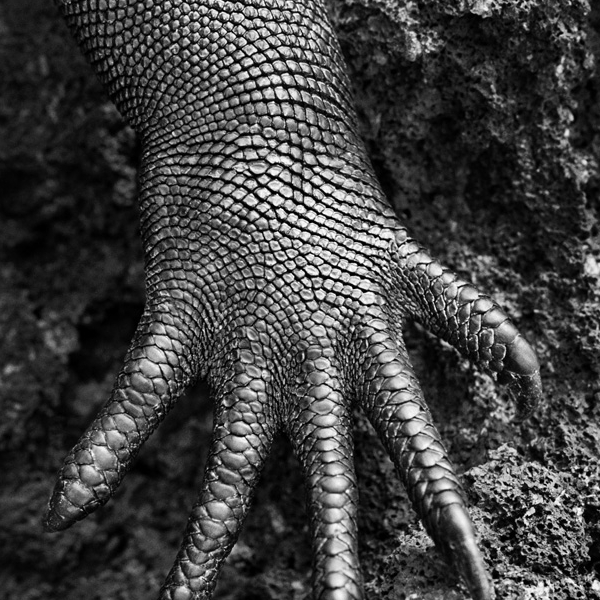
[(522, 375), (526, 390), (459, 545)]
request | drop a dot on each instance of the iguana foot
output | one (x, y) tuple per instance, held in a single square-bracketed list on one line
[(277, 270)]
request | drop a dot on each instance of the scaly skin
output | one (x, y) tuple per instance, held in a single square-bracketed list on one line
[(276, 269)]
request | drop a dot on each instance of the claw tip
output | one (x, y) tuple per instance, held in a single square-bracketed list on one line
[(522, 375), (53, 521), (526, 391), (461, 550), (65, 507)]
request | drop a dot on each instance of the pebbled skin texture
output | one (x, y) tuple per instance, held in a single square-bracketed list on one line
[(276, 269)]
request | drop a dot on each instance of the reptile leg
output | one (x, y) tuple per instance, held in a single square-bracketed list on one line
[(275, 268)]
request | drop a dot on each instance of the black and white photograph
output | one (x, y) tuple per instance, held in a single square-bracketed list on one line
[(300, 300)]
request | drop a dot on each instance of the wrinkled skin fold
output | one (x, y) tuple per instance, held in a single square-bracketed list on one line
[(275, 269)]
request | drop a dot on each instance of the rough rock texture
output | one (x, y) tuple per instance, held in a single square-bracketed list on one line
[(483, 122)]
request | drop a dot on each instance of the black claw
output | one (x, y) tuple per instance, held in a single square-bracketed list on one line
[(53, 521), (526, 391), (522, 375), (460, 549)]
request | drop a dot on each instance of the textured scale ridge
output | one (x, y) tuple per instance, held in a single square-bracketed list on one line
[(276, 269)]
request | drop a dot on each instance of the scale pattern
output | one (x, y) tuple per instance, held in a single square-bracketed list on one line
[(276, 269)]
